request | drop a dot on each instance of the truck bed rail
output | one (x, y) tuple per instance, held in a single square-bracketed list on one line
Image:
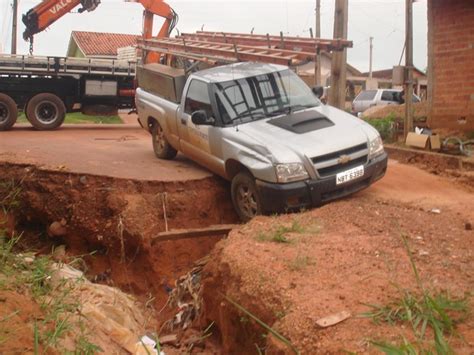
[(33, 65)]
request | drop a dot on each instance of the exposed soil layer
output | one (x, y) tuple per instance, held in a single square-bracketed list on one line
[(459, 169), (17, 327), (341, 257), (111, 222)]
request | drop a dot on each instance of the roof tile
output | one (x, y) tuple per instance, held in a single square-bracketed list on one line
[(102, 43)]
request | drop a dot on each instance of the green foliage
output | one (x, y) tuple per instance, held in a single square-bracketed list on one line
[(80, 118), (436, 311), (7, 258), (278, 234), (10, 192), (385, 126), (392, 349), (264, 325), (301, 262), (85, 347)]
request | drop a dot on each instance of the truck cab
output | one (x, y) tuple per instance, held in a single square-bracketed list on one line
[(260, 127)]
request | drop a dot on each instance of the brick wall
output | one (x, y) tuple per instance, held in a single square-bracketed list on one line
[(451, 47)]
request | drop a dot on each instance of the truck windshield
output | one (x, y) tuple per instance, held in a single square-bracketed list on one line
[(263, 96)]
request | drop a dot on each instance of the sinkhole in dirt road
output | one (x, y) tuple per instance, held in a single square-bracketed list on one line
[(110, 224)]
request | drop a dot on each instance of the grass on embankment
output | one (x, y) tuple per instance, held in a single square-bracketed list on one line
[(80, 118)]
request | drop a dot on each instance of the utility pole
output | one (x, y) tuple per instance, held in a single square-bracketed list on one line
[(317, 63), (408, 123), (371, 39), (14, 25), (337, 94)]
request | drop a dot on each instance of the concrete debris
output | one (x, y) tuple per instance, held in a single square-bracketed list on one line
[(114, 317), (171, 339), (59, 253), (29, 259), (58, 229), (146, 346), (333, 319)]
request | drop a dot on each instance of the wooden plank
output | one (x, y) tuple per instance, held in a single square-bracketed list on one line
[(178, 234)]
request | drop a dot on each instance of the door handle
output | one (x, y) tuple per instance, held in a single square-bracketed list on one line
[(184, 122)]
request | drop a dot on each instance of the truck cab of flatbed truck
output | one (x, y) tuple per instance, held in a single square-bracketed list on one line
[(262, 128)]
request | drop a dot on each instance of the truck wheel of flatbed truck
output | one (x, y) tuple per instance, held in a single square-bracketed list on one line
[(245, 196), (161, 146), (45, 111), (8, 112)]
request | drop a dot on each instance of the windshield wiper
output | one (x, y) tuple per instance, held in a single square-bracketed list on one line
[(253, 116)]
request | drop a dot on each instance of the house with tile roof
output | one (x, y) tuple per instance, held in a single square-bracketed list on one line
[(84, 44)]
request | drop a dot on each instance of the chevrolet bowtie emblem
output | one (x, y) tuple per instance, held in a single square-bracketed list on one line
[(344, 159)]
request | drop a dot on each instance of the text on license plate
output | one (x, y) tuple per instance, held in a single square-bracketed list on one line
[(349, 175)]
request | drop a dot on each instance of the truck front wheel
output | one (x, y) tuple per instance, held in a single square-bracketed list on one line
[(8, 112), (245, 196), (46, 111), (161, 146)]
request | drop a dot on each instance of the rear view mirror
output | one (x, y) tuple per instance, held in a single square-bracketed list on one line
[(200, 118), (318, 91)]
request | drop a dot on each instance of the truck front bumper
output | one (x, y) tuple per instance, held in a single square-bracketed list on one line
[(277, 198)]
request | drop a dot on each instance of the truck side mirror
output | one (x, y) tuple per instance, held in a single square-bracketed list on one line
[(200, 118), (318, 91)]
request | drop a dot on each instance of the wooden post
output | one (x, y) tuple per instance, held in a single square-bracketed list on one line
[(408, 124), (337, 94), (14, 25), (317, 64), (371, 54)]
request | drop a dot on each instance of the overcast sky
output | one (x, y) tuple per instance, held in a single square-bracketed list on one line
[(382, 19)]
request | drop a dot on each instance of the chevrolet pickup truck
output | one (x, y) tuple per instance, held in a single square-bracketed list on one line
[(262, 128)]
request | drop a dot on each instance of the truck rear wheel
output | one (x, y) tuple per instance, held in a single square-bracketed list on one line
[(245, 196), (46, 111), (8, 112), (161, 146)]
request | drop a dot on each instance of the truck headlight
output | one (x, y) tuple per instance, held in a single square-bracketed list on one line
[(376, 147), (291, 172)]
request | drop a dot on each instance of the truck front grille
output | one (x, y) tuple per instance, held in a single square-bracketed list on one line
[(330, 164)]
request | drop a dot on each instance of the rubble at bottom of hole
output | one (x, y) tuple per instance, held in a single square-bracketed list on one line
[(187, 298)]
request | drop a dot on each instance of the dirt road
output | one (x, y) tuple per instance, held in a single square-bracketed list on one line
[(125, 151), (122, 151)]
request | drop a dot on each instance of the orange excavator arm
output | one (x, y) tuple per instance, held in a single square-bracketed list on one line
[(49, 11)]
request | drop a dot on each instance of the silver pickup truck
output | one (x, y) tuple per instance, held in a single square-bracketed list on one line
[(262, 128)]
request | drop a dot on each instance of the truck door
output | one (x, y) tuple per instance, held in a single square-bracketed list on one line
[(194, 139)]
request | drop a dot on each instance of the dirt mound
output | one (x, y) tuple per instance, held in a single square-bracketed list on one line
[(293, 270), (398, 111)]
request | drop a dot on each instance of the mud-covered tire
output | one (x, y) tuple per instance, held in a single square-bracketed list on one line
[(245, 197), (8, 112), (45, 111), (161, 146)]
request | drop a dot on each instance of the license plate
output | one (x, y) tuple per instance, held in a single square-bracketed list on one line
[(349, 175)]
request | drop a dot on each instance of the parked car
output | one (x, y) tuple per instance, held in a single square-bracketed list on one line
[(262, 128), (381, 97)]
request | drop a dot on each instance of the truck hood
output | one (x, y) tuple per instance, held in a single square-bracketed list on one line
[(287, 146)]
